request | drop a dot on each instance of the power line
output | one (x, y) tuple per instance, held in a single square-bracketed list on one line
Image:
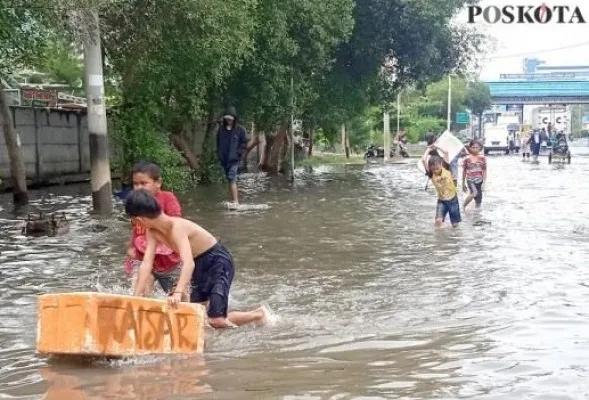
[(571, 46)]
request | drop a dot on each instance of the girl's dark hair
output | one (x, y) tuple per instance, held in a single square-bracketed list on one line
[(474, 142), (148, 168), (434, 161), (141, 203)]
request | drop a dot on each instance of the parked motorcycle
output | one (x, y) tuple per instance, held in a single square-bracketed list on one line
[(403, 150), (377, 152)]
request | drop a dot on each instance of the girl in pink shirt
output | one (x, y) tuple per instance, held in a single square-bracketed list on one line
[(474, 174)]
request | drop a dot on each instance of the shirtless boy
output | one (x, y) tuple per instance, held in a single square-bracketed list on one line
[(207, 266)]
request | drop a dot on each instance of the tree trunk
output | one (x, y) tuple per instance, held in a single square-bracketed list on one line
[(310, 142), (480, 126), (348, 144), (345, 141), (184, 148), (343, 138), (15, 155), (274, 150), (251, 143), (262, 151), (209, 149)]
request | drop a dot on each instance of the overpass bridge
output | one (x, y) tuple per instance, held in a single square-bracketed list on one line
[(557, 91)]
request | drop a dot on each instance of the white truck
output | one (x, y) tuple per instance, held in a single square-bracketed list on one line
[(496, 134), (560, 116), (495, 139)]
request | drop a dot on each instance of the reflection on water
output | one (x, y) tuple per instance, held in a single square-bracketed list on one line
[(372, 302), (160, 378)]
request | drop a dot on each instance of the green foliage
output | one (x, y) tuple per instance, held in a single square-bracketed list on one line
[(23, 27), (173, 63), (171, 57), (478, 97), (395, 43), (423, 110), (62, 61), (210, 170), (437, 95), (136, 138), (293, 39), (324, 139), (418, 126), (360, 132)]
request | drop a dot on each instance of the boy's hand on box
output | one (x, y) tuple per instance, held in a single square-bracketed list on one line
[(175, 298)]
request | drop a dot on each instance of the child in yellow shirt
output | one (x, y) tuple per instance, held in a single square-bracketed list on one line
[(446, 189)]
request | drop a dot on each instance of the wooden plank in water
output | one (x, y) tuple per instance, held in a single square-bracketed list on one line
[(110, 325)]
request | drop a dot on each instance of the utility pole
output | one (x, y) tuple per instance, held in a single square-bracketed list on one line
[(387, 135), (449, 116), (100, 179), (292, 143)]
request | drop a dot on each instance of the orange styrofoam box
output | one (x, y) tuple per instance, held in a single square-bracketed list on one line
[(111, 325)]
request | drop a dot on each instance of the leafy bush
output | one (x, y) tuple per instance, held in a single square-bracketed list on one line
[(135, 138), (420, 125)]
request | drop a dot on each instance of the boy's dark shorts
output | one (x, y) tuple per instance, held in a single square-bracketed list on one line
[(231, 171), (478, 188), (451, 207), (211, 280)]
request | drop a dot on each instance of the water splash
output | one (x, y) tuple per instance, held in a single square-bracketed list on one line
[(245, 207)]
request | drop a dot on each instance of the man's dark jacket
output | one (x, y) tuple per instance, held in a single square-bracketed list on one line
[(231, 143)]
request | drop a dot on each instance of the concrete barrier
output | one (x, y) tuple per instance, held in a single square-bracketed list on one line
[(109, 325)]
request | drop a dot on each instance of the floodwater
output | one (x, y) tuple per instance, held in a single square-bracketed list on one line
[(371, 302)]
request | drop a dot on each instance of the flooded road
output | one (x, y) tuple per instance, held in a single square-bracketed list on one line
[(371, 302)]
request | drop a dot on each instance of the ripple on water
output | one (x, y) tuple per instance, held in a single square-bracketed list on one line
[(371, 301)]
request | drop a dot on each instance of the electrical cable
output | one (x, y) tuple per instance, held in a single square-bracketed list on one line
[(539, 51)]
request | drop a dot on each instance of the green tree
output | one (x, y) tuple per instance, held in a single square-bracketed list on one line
[(22, 29), (170, 58), (294, 40), (437, 95), (393, 44), (419, 125), (478, 100), (62, 60)]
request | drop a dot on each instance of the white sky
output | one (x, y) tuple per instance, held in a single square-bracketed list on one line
[(514, 42)]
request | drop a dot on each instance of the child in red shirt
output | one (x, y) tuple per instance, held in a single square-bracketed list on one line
[(167, 265)]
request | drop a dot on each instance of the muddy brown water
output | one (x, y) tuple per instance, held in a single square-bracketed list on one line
[(371, 302)]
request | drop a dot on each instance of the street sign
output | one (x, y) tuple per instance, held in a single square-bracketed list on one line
[(462, 118)]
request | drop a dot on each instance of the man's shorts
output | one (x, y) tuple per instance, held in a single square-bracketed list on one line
[(167, 279), (231, 171), (477, 187), (211, 280), (451, 207)]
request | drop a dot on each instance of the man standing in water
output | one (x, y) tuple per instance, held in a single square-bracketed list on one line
[(535, 142), (231, 146)]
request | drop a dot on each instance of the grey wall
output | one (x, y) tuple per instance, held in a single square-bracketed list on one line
[(54, 142)]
